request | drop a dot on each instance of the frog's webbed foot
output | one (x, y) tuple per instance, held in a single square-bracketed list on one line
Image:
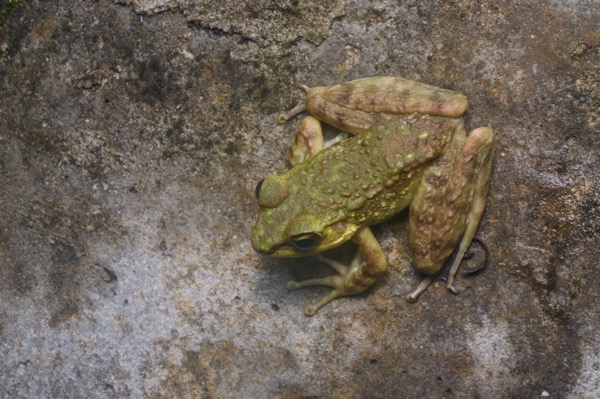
[(352, 279), (480, 266), (448, 272), (442, 275), (341, 136), (286, 116), (336, 282)]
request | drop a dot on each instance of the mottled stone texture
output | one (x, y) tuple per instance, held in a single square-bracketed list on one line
[(132, 134)]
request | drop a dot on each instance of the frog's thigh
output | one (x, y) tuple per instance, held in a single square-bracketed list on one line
[(445, 211), (307, 142)]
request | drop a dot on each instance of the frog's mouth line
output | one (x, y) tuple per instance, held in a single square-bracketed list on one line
[(287, 250), (333, 236)]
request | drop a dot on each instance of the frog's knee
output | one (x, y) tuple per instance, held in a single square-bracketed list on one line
[(482, 135)]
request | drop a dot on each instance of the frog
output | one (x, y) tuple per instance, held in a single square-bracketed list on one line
[(401, 144)]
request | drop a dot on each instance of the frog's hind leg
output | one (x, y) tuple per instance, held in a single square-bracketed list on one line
[(444, 273), (478, 156), (286, 116), (446, 212)]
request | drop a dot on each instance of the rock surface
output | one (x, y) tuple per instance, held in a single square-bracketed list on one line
[(132, 134)]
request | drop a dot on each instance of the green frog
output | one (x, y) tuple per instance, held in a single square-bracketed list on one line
[(402, 144)]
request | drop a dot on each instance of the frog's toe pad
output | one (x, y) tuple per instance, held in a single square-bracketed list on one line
[(455, 289), (310, 310)]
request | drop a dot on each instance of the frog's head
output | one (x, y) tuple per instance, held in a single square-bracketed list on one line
[(291, 223)]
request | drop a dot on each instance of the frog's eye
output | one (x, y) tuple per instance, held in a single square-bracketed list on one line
[(258, 187), (305, 242)]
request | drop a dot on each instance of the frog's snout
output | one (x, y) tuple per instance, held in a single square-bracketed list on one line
[(259, 244)]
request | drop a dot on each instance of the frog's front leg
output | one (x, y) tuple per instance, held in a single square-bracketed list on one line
[(361, 273), (445, 212), (309, 140), (368, 264)]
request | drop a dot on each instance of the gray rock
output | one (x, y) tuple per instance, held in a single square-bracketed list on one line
[(132, 134)]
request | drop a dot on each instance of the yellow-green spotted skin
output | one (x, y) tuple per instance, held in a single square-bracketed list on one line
[(408, 148)]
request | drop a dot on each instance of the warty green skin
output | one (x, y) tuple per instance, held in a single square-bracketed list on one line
[(409, 148), (358, 182)]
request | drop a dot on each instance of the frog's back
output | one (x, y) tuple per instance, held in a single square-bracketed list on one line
[(371, 177)]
